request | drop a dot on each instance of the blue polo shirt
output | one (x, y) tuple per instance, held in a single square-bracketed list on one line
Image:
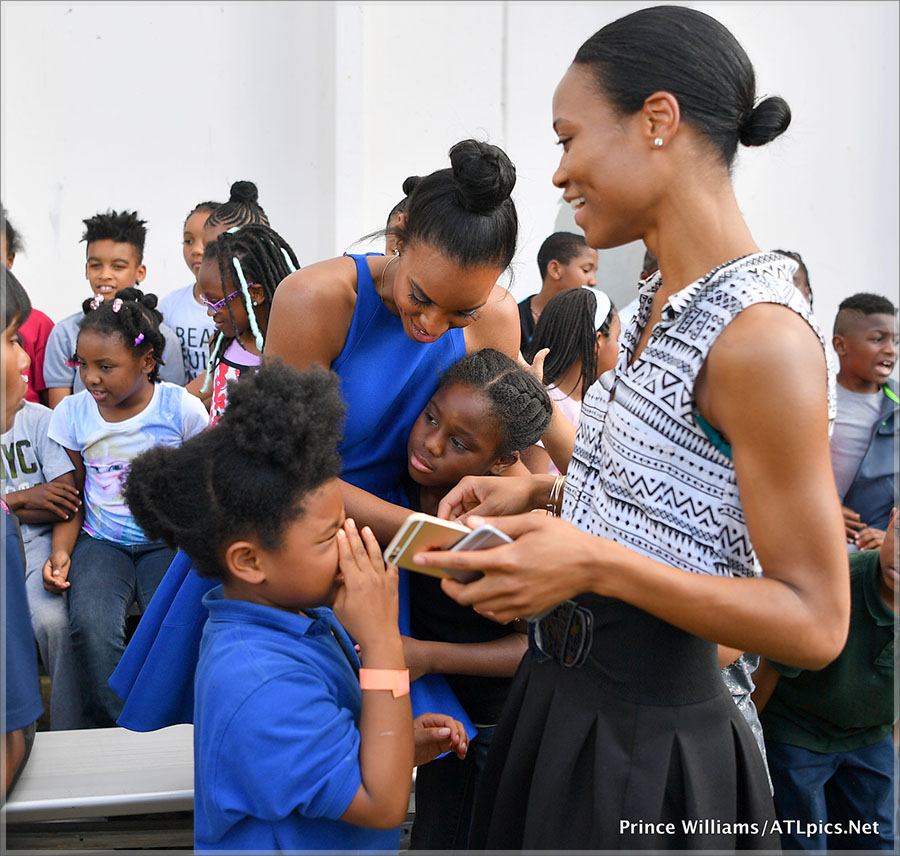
[(276, 732)]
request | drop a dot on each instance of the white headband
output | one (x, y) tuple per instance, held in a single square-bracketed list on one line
[(604, 304)]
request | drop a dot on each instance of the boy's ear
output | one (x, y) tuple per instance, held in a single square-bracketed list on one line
[(839, 345), (141, 273), (554, 269), (242, 561), (504, 462)]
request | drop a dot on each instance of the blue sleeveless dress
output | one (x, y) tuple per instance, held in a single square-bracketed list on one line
[(386, 381)]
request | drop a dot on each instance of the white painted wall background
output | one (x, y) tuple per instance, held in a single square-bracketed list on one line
[(329, 106)]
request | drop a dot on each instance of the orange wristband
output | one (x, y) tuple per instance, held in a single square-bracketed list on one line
[(395, 680)]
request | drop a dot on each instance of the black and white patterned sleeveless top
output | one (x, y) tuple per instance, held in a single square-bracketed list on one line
[(645, 473)]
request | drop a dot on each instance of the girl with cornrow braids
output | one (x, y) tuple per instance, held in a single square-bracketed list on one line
[(241, 209), (101, 557), (486, 410)]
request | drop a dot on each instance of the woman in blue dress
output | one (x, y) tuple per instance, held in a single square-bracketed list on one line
[(389, 327)]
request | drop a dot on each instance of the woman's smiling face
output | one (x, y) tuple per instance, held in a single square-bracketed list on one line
[(432, 294), (603, 169)]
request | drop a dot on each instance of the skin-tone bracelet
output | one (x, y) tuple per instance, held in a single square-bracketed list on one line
[(395, 680), (554, 502)]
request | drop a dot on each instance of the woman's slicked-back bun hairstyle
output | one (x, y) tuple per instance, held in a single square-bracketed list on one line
[(466, 211), (685, 52)]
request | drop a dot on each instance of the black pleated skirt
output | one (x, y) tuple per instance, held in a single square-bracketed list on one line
[(639, 748)]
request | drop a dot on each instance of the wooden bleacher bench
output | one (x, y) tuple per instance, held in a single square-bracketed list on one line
[(106, 788)]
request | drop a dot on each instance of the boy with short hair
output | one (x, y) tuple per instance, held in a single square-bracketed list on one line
[(564, 261), (115, 252), (828, 732), (866, 424)]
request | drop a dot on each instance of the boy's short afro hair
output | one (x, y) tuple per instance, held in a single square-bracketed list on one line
[(122, 227)]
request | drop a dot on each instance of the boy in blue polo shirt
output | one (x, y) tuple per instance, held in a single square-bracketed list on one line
[(828, 733)]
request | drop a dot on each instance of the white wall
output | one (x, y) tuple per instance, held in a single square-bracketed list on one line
[(329, 106)]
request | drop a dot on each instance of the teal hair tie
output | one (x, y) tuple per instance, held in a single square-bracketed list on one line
[(248, 302)]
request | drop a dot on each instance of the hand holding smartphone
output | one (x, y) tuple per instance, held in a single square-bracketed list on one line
[(422, 532)]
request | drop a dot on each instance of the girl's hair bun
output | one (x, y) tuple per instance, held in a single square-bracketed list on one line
[(147, 301), (484, 176), (410, 184), (244, 192), (766, 121)]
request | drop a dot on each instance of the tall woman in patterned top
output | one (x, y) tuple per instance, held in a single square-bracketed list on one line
[(699, 505)]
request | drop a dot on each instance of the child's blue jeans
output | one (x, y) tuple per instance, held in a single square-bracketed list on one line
[(822, 790), (106, 579)]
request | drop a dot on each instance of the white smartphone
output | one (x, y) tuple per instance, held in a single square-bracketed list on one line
[(421, 532), (482, 538)]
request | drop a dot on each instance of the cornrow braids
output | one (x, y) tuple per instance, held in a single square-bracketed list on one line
[(519, 402), (566, 327), (254, 254), (122, 227), (202, 206), (241, 209), (133, 315)]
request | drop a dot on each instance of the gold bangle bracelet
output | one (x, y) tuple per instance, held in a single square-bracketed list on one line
[(554, 501)]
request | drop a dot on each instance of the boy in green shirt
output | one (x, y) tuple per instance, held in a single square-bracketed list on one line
[(828, 733)]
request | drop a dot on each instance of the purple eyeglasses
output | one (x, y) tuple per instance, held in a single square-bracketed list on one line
[(219, 303)]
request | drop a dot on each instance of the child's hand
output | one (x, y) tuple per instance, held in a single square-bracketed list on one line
[(869, 538), (436, 733), (57, 497), (367, 603), (56, 572), (852, 523)]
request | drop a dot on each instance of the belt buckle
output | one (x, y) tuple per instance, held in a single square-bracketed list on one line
[(564, 635)]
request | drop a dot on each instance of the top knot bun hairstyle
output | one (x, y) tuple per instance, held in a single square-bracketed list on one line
[(465, 212), (249, 476), (241, 209), (690, 54)]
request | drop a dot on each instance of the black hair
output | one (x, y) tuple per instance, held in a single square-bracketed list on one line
[(16, 305), (799, 259), (466, 212), (241, 209), (202, 206), (14, 243), (561, 247), (685, 52), (132, 315), (864, 303), (566, 327), (409, 184), (264, 259), (123, 227), (519, 402), (275, 443)]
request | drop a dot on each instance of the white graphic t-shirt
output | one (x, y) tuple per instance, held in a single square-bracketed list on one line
[(172, 416), (192, 325)]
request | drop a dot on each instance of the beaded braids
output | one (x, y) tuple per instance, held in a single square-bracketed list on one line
[(518, 402), (255, 255), (566, 327), (133, 315), (123, 227), (241, 209), (275, 443)]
